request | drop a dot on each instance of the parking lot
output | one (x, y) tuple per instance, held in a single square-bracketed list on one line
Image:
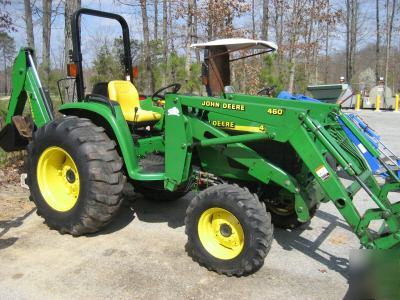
[(141, 255)]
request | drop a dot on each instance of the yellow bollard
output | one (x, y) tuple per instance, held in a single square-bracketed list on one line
[(396, 107), (358, 102), (378, 103)]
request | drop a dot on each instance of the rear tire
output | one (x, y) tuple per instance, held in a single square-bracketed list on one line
[(229, 231), (288, 220), (72, 156)]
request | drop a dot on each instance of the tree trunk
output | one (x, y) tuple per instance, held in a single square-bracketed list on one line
[(146, 48), (46, 35), (165, 39), (70, 7), (5, 71), (294, 31), (195, 30), (389, 30), (265, 20), (292, 74), (378, 40), (347, 39), (253, 19), (327, 48), (210, 22), (155, 20), (29, 24), (353, 37), (189, 33), (171, 25), (172, 39)]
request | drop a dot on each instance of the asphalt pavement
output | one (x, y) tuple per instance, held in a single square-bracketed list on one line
[(141, 255)]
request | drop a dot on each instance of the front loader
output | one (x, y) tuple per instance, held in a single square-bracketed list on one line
[(255, 161)]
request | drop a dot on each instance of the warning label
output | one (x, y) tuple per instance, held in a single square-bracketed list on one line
[(322, 172), (362, 148)]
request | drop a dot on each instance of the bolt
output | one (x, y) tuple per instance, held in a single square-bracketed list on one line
[(385, 214), (370, 246)]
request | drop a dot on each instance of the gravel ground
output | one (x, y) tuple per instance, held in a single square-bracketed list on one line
[(141, 255)]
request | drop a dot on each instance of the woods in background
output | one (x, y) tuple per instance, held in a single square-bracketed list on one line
[(318, 40)]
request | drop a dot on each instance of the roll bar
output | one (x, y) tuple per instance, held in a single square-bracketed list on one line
[(76, 43)]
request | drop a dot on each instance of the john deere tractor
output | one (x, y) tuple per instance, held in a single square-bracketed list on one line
[(255, 160)]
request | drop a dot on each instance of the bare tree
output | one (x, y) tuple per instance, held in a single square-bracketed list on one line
[(390, 11), (189, 34), (29, 24), (70, 7), (195, 29), (165, 38), (46, 35), (155, 20), (265, 20), (146, 48), (327, 33), (351, 36), (295, 18), (378, 40), (6, 21), (7, 50), (253, 19)]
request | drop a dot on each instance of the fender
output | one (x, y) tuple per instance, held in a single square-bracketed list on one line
[(114, 123)]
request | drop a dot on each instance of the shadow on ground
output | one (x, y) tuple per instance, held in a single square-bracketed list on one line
[(292, 240), (170, 212), (173, 213), (5, 226)]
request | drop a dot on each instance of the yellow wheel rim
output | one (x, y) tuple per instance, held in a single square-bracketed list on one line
[(221, 233), (58, 179)]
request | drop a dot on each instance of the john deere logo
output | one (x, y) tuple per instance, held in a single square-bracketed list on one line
[(174, 111)]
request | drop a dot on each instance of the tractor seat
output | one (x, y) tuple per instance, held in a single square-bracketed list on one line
[(125, 93)]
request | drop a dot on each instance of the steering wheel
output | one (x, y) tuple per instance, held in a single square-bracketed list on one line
[(175, 88), (267, 91)]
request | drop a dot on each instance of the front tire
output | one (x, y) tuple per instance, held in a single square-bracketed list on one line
[(75, 175), (229, 231)]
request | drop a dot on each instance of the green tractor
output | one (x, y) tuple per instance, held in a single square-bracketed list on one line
[(256, 160)]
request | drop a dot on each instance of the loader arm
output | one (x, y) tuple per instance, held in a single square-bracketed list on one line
[(314, 130), (26, 87)]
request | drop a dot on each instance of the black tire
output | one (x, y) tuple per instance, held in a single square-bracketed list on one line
[(100, 174), (154, 190), (253, 218), (288, 220)]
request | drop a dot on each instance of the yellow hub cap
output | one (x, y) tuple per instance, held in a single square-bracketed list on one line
[(58, 179), (221, 233)]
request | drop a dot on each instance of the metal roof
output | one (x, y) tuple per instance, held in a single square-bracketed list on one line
[(236, 44)]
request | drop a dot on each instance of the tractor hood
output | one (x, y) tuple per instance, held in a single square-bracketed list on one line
[(236, 44)]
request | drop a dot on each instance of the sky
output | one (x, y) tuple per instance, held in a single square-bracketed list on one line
[(94, 29)]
